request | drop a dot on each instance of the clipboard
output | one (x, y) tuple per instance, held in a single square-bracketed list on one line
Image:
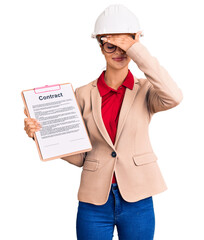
[(56, 108)]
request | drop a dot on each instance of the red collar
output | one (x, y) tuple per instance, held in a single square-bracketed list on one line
[(104, 88)]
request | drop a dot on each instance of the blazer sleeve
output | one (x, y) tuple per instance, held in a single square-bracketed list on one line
[(163, 93), (76, 159)]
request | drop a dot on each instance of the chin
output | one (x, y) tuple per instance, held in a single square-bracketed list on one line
[(118, 66)]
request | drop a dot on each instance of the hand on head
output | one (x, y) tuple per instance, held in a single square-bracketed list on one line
[(123, 41)]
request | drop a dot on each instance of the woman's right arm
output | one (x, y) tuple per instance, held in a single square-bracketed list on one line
[(76, 159)]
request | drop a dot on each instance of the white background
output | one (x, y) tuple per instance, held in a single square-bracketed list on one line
[(48, 42)]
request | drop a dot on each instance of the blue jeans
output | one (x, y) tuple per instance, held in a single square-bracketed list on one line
[(134, 220)]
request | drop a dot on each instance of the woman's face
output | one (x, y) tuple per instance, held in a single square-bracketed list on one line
[(118, 59)]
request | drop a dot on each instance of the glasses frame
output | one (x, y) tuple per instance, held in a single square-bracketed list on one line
[(101, 41), (111, 44)]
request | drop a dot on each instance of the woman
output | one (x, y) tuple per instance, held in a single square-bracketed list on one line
[(120, 174)]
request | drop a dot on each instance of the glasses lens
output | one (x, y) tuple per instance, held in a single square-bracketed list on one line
[(108, 47)]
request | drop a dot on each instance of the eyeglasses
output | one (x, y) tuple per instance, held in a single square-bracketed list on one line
[(110, 48)]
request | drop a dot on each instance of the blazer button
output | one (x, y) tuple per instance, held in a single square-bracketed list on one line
[(113, 154)]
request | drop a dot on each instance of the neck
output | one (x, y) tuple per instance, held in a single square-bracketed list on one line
[(114, 77)]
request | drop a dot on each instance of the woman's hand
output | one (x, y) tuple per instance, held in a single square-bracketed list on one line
[(123, 41), (31, 125)]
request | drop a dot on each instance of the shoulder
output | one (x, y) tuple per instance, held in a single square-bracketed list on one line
[(85, 89), (142, 82), (83, 93)]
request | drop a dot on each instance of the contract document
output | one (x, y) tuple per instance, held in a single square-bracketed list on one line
[(63, 130)]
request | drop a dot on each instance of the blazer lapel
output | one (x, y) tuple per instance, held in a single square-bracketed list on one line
[(96, 109), (125, 108), (126, 105)]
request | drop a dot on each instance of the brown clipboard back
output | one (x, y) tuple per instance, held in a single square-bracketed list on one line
[(35, 137)]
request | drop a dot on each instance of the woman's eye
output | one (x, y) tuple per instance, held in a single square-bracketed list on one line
[(110, 46)]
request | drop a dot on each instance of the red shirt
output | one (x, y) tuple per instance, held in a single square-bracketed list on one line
[(111, 104)]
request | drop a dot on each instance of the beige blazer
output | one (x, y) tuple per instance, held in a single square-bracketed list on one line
[(131, 157)]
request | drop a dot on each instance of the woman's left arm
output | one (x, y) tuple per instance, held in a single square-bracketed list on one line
[(163, 92)]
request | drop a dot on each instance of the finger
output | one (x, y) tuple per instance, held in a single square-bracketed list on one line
[(104, 39), (109, 40), (27, 129), (28, 132), (31, 132), (32, 126), (32, 120), (28, 120), (137, 36), (25, 112), (36, 123)]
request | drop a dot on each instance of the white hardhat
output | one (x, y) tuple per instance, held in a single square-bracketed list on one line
[(116, 19)]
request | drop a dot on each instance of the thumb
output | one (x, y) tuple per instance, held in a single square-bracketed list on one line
[(137, 36), (25, 112)]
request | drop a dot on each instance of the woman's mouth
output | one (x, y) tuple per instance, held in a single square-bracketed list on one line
[(119, 59)]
